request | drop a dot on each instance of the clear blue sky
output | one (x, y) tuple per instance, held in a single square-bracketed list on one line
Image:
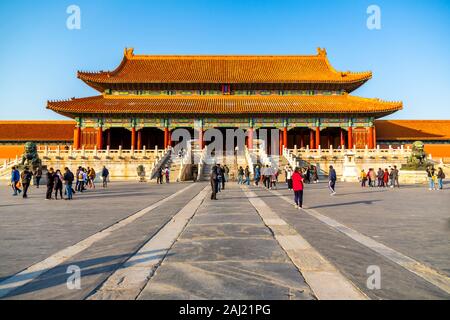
[(409, 56)]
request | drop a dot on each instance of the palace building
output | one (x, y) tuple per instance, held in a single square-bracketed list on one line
[(146, 97)]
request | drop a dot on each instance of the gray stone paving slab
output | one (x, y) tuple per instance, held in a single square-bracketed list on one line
[(351, 258), (104, 257), (226, 263), (411, 220), (33, 229), (227, 280)]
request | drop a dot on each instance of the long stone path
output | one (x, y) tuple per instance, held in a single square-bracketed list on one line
[(141, 241)]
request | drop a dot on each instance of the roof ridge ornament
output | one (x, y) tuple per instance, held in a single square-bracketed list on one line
[(321, 52), (129, 53)]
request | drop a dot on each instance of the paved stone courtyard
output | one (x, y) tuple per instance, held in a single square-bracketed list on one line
[(170, 241)]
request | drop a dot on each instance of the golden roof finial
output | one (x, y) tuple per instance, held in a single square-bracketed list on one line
[(129, 52), (322, 52)]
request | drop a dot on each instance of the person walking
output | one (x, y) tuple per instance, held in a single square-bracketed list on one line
[(226, 173), (219, 178), (38, 176), (274, 179), (50, 183), (332, 177), (395, 178), (79, 184), (315, 174), (105, 174), (91, 176), (297, 186), (68, 180), (240, 175), (363, 178), (15, 181), (373, 177), (223, 175), (386, 178), (247, 175), (167, 174), (214, 183), (289, 173), (58, 182), (440, 178), (26, 177), (257, 175), (380, 176)]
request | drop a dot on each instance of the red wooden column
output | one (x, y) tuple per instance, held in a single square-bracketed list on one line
[(317, 137), (302, 140), (374, 137), (169, 142), (311, 139), (370, 138), (200, 139), (139, 140), (99, 138), (342, 137), (166, 137), (350, 137), (77, 138), (285, 137), (133, 138), (250, 138)]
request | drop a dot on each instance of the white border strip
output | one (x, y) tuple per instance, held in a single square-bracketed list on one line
[(22, 278)]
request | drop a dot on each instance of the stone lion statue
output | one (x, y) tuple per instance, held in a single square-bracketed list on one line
[(30, 156), (417, 154)]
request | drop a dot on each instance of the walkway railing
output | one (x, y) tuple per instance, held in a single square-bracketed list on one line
[(336, 154), (108, 154)]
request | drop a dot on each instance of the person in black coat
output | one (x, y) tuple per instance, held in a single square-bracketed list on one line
[(50, 183)]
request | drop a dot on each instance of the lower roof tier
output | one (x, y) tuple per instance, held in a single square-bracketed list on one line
[(225, 105)]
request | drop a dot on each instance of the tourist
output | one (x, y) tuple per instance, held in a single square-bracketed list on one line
[(297, 186), (386, 178), (219, 178), (274, 178), (50, 183), (247, 175), (85, 179), (58, 184), (363, 178), (435, 180), (167, 174), (286, 168), (79, 182), (315, 174), (223, 175), (105, 174), (240, 175), (226, 173), (214, 183), (308, 175), (91, 177), (26, 177), (373, 177), (395, 178), (15, 181), (332, 177), (68, 180), (380, 177), (289, 173), (257, 175), (440, 178), (159, 175), (38, 176)]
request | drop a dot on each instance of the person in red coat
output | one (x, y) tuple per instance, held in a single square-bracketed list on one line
[(297, 186)]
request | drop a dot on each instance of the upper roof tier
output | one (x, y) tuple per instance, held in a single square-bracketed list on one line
[(307, 71)]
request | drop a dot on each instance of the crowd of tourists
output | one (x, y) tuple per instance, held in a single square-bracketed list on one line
[(389, 177), (57, 181)]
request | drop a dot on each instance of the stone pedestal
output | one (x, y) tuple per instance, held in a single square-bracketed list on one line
[(413, 177), (349, 171)]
